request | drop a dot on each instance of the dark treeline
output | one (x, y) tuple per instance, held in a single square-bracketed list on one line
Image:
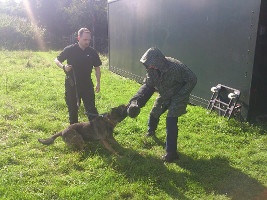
[(51, 24)]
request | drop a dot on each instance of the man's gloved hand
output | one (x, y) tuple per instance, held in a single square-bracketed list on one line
[(139, 100), (133, 109)]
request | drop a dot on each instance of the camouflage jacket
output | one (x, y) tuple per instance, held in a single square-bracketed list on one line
[(172, 79)]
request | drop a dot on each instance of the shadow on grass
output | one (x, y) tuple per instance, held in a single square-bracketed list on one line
[(152, 171), (159, 141), (214, 175), (136, 167), (217, 175)]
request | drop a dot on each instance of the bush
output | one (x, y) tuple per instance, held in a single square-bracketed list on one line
[(18, 34)]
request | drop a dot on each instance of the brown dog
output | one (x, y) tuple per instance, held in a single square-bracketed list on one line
[(101, 128)]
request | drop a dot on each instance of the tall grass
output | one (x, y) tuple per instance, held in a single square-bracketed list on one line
[(219, 159)]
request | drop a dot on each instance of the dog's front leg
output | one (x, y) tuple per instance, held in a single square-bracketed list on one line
[(113, 140), (108, 147)]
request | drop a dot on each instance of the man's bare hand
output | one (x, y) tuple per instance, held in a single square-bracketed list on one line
[(68, 68)]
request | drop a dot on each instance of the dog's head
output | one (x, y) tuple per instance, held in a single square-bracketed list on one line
[(119, 113)]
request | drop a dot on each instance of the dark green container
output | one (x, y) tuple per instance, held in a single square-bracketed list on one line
[(222, 41)]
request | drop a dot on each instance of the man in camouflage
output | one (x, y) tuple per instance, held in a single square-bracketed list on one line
[(174, 81)]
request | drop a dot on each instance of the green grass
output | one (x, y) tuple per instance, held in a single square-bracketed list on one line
[(219, 159)]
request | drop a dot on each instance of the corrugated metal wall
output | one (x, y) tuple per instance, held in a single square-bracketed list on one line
[(216, 39)]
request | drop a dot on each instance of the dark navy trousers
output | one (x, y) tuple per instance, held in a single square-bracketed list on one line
[(171, 131)]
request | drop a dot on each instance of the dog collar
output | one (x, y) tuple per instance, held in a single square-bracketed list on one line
[(110, 121)]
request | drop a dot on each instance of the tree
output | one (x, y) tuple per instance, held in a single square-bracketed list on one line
[(91, 14), (63, 18)]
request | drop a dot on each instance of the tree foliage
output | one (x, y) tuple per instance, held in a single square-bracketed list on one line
[(18, 33), (61, 19)]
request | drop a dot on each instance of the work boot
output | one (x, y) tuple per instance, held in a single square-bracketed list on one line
[(150, 134), (170, 157)]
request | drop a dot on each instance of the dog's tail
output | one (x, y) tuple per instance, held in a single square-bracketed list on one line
[(51, 139)]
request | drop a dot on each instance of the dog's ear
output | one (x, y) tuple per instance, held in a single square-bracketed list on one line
[(113, 110), (122, 106), (116, 110), (124, 111)]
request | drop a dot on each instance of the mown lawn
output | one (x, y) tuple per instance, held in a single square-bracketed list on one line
[(219, 159)]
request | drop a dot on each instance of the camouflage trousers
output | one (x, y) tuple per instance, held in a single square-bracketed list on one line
[(175, 108)]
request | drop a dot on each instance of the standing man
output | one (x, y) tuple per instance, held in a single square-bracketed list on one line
[(78, 83), (174, 81)]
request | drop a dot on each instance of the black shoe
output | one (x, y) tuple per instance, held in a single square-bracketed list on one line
[(170, 157), (150, 134)]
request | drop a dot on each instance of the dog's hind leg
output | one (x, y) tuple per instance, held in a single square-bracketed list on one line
[(51, 139), (108, 147), (74, 139)]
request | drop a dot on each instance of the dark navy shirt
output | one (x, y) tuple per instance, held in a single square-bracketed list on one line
[(82, 62)]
